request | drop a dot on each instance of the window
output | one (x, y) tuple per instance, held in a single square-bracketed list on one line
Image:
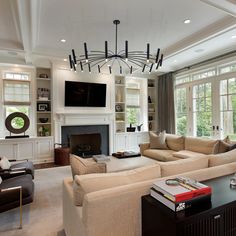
[(181, 111), (206, 101), (228, 107), (202, 110), (136, 91), (16, 94)]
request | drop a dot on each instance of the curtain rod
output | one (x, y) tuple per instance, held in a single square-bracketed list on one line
[(214, 59)]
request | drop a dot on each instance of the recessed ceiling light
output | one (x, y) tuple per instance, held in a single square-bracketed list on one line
[(63, 40), (64, 59), (187, 21), (233, 37)]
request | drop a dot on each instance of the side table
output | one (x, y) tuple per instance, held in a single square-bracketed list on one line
[(62, 156), (215, 219)]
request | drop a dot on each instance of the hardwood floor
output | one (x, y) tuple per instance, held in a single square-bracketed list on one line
[(45, 165)]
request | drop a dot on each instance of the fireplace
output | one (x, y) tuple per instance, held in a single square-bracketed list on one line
[(86, 140)]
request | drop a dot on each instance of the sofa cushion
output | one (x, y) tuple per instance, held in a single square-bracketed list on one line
[(160, 155), (175, 142), (206, 146), (84, 184), (183, 154), (222, 158), (158, 140), (82, 166), (184, 165)]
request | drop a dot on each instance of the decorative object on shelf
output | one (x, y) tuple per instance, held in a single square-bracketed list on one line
[(150, 118), (118, 81), (130, 128), (150, 125), (43, 131), (131, 60), (17, 123), (43, 120), (43, 94), (233, 182), (118, 108), (151, 109), (150, 84), (149, 99), (43, 76), (118, 96), (42, 107), (139, 127)]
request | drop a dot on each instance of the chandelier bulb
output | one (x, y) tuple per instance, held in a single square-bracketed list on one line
[(106, 60), (86, 60), (126, 59), (147, 61)]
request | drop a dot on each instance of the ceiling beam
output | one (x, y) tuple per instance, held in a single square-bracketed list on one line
[(24, 16), (228, 6), (207, 33)]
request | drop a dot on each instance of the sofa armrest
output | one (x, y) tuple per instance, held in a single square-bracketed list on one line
[(143, 147), (116, 210)]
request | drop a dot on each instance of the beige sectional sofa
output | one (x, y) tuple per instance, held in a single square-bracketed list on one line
[(109, 204), (180, 147)]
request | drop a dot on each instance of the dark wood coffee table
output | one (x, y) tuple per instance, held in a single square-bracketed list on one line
[(214, 219)]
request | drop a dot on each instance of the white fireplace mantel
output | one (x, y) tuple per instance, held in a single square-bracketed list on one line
[(78, 119)]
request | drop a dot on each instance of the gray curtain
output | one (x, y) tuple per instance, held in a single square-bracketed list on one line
[(165, 103)]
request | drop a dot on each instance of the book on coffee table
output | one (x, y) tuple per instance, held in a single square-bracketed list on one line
[(101, 158)]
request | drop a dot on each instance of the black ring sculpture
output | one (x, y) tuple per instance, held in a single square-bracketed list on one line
[(13, 130)]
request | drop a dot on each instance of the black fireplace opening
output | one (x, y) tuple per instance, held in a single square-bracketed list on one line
[(86, 141)]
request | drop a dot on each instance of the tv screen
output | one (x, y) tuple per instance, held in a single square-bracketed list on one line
[(81, 94)]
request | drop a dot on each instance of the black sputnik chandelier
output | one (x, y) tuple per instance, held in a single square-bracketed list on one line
[(129, 60)]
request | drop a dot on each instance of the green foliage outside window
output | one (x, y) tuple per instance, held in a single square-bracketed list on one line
[(132, 116)]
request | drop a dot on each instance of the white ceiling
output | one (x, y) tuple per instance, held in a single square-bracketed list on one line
[(30, 29)]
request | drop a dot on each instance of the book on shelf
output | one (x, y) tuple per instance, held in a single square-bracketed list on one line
[(185, 190), (101, 158), (182, 205)]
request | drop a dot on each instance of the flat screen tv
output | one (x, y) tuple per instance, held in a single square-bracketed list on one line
[(81, 94)]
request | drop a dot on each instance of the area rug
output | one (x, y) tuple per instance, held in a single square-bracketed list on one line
[(44, 216)]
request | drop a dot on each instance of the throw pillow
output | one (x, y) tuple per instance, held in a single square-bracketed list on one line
[(175, 142), (4, 163), (82, 166), (0, 180), (158, 141)]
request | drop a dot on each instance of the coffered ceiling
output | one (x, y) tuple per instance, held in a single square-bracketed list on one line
[(32, 29)]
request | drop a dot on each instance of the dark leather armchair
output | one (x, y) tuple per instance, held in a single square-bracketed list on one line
[(15, 192)]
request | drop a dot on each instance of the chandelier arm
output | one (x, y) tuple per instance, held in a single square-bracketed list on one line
[(92, 61), (100, 52), (136, 63), (105, 63), (92, 58), (96, 63), (123, 60)]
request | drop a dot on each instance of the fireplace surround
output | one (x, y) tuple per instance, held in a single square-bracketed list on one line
[(86, 140)]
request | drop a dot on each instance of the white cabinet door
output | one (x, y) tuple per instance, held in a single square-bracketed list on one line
[(44, 149), (120, 142), (130, 141), (8, 150), (25, 150)]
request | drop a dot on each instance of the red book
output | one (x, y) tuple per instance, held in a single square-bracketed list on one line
[(181, 192)]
